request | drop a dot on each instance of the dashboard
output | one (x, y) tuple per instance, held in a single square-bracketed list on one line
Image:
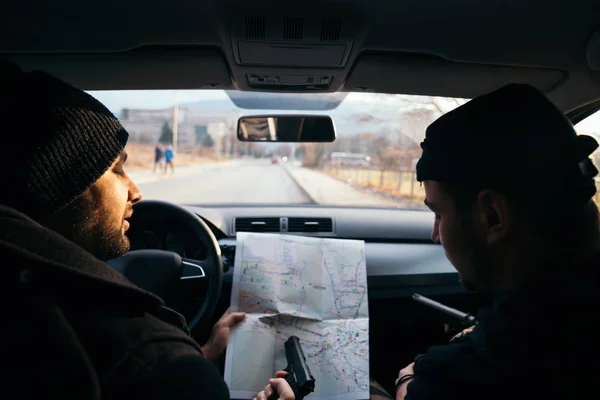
[(401, 258)]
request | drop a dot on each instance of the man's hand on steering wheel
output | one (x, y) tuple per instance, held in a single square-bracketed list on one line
[(216, 344)]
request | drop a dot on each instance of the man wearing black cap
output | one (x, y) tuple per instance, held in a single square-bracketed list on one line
[(73, 327), (510, 183)]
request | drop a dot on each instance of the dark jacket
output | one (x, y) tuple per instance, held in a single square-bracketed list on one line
[(540, 342), (76, 329)]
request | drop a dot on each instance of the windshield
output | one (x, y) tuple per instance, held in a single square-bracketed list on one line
[(183, 148), (591, 126)]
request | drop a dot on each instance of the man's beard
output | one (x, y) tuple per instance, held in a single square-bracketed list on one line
[(97, 234), (466, 284), (104, 242), (479, 275), (475, 275)]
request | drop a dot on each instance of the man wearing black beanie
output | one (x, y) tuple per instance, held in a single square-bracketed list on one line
[(511, 186), (73, 327)]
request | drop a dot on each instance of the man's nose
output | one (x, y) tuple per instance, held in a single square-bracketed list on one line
[(135, 194)]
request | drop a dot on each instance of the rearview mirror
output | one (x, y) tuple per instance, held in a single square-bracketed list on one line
[(286, 128)]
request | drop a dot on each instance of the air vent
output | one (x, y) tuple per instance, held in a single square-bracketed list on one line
[(255, 27), (310, 225), (292, 28), (330, 29), (257, 225)]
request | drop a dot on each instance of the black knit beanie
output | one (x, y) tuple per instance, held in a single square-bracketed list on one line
[(56, 141), (512, 139)]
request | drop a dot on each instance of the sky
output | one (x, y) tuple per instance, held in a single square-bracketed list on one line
[(157, 99), (153, 99), (590, 125)]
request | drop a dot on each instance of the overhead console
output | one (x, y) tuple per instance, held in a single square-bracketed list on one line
[(292, 40), (314, 46)]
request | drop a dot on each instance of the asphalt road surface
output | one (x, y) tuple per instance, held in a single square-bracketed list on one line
[(251, 181), (241, 182)]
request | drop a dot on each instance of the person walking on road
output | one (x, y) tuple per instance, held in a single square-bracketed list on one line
[(169, 157), (158, 157)]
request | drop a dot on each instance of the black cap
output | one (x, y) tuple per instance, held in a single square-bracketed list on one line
[(513, 139), (57, 141)]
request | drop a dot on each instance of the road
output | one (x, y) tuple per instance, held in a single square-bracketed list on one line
[(257, 182), (246, 182)]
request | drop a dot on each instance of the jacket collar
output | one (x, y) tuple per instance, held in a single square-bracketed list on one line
[(51, 260)]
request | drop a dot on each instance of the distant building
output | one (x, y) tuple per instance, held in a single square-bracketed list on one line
[(348, 159), (145, 126)]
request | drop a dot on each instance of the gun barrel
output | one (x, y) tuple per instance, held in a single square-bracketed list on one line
[(463, 317)]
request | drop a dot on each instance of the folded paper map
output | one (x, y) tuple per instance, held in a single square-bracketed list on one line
[(310, 287)]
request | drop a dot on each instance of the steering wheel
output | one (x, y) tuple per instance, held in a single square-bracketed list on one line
[(168, 275)]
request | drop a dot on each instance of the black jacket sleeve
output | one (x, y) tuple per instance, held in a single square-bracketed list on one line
[(183, 378), (166, 370), (458, 370)]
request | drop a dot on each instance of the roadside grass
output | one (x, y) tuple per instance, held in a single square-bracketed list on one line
[(140, 156), (401, 184)]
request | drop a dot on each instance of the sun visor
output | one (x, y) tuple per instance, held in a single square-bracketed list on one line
[(153, 67), (435, 76)]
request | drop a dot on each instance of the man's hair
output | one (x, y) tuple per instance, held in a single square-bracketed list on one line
[(567, 224)]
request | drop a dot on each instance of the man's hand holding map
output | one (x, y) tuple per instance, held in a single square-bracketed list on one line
[(312, 288)]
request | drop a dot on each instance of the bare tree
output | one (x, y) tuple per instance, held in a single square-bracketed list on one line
[(312, 154), (445, 104)]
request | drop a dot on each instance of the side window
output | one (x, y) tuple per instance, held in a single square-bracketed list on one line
[(591, 126)]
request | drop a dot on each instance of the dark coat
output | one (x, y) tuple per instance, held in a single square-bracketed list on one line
[(540, 342), (76, 329)]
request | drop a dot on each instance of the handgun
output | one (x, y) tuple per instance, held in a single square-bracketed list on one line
[(457, 316), (299, 377)]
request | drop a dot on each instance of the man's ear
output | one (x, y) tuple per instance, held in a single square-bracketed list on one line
[(493, 213)]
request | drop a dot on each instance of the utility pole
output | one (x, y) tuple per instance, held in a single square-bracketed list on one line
[(175, 125)]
